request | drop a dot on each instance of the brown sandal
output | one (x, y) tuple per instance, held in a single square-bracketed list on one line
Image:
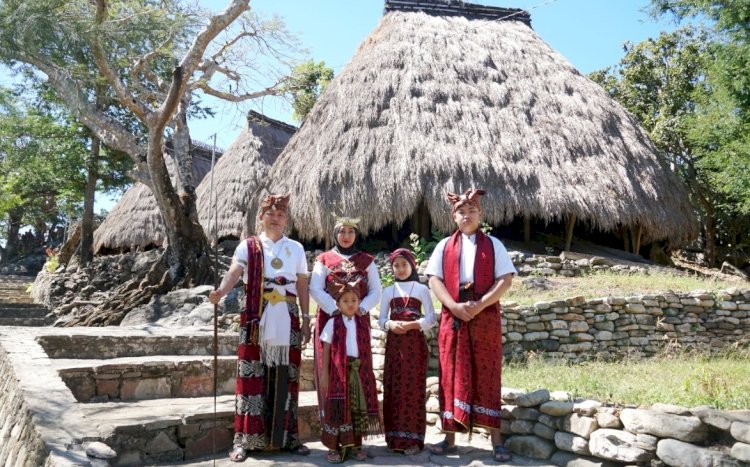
[(360, 454), (334, 457), (412, 450)]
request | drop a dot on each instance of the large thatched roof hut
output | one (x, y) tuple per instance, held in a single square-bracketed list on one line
[(238, 174), (443, 96), (135, 222)]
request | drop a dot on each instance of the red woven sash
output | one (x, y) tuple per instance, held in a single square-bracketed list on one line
[(253, 289)]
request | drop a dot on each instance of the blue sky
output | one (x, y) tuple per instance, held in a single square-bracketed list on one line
[(589, 33)]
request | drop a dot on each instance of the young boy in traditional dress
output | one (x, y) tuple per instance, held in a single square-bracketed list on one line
[(406, 354), (347, 382), (469, 272)]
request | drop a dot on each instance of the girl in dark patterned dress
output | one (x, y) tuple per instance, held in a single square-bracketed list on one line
[(406, 354), (347, 382)]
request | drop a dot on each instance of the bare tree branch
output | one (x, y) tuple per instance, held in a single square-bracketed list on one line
[(228, 96), (127, 99), (192, 58)]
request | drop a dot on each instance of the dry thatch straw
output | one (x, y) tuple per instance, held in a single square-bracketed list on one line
[(432, 103), (135, 221), (237, 175)]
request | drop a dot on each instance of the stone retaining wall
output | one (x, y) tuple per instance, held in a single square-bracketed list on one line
[(578, 329), (640, 325), (20, 445), (544, 425)]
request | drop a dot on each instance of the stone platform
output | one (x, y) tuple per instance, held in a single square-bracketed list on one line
[(146, 392)]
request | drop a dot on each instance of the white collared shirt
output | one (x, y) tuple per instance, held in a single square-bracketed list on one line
[(290, 252), (326, 335), (503, 263)]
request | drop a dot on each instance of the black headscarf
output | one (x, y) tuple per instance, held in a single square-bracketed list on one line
[(409, 257), (354, 248)]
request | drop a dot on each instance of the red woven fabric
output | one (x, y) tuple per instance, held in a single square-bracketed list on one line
[(470, 356)]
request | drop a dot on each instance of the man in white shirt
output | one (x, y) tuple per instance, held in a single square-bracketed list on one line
[(469, 272)]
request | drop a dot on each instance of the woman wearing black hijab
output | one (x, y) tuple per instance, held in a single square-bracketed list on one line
[(343, 263)]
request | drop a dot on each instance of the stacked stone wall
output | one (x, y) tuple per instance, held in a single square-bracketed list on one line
[(20, 444), (577, 329), (544, 425)]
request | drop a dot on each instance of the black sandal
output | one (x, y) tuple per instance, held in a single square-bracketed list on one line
[(501, 454), (300, 450)]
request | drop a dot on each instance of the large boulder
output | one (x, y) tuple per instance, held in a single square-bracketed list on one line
[(677, 453), (664, 425), (617, 445)]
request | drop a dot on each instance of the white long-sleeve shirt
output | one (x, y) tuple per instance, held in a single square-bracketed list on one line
[(411, 289)]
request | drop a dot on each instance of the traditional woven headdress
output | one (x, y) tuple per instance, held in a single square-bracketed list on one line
[(469, 198), (280, 202), (343, 221), (336, 288)]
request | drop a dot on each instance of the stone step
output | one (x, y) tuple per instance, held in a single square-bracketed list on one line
[(22, 310), (142, 378), (106, 346), (177, 429), (30, 322), (16, 300)]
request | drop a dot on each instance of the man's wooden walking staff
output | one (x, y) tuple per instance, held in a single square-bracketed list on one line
[(214, 216)]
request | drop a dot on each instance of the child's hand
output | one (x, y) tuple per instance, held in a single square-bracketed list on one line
[(461, 311), (473, 308), (398, 327)]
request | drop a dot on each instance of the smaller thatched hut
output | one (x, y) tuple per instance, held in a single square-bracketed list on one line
[(237, 175), (135, 221)]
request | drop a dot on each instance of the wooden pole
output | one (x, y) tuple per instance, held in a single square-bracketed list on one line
[(527, 229), (569, 224), (637, 239)]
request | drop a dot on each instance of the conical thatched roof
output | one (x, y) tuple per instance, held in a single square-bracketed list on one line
[(135, 221), (239, 172), (444, 100)]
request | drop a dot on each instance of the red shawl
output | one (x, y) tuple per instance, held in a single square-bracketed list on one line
[(338, 401), (484, 264)]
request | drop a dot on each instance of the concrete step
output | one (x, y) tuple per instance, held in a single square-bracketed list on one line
[(177, 429), (142, 378)]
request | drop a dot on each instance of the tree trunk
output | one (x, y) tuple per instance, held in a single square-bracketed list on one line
[(187, 254), (87, 220), (14, 226), (710, 236)]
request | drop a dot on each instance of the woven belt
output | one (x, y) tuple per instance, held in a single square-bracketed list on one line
[(281, 280), (274, 296)]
